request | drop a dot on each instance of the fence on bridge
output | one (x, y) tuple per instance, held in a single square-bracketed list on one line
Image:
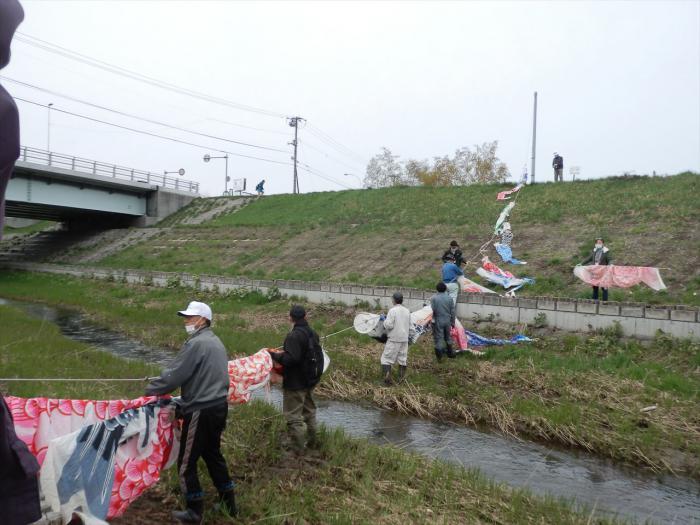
[(94, 167)]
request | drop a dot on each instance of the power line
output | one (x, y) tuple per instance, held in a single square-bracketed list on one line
[(142, 132), (133, 75), (323, 175), (308, 145), (144, 119), (315, 130), (247, 127)]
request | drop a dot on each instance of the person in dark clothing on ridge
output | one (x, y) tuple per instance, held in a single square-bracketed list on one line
[(200, 370), (260, 188), (455, 251), (558, 165), (600, 255), (298, 403), (443, 321)]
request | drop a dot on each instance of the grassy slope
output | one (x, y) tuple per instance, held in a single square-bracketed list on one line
[(395, 236), (348, 482), (33, 228), (564, 389)]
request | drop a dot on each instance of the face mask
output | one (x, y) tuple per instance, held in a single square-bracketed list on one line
[(190, 329), (598, 246)]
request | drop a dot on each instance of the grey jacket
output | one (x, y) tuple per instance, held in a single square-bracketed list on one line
[(443, 309), (200, 370), (398, 324)]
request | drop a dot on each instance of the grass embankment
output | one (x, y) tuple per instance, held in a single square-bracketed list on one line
[(395, 236), (349, 481), (581, 392), (32, 228)]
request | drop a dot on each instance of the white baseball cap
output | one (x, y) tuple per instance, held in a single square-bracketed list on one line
[(196, 308)]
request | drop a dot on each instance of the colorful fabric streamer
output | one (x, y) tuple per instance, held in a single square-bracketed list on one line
[(612, 276), (98, 456), (479, 340), (469, 286), (503, 216), (505, 195), (507, 254), (512, 283), (247, 375)]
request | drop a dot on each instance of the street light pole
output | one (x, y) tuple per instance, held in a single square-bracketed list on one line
[(208, 157), (48, 128)]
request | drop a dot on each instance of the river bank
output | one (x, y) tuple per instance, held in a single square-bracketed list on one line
[(349, 481), (580, 392)]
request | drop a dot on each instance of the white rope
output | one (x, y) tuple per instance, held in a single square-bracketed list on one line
[(71, 379)]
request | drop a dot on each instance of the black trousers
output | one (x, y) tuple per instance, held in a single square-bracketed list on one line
[(201, 437), (595, 293), (442, 338)]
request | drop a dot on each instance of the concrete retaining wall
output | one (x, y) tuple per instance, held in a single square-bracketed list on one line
[(576, 315)]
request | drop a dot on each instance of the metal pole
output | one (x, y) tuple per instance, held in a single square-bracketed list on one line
[(296, 177), (226, 179), (48, 129), (534, 138)]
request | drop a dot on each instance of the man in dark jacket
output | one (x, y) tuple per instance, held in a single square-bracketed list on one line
[(443, 321), (455, 251), (558, 165), (600, 255), (298, 403), (11, 15), (19, 485), (200, 370)]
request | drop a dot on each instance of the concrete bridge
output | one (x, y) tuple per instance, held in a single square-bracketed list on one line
[(87, 193)]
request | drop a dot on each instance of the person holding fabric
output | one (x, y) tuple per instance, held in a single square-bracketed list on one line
[(455, 251), (19, 484), (444, 316), (397, 325), (298, 403), (601, 256), (450, 273), (200, 370), (11, 15), (558, 165)]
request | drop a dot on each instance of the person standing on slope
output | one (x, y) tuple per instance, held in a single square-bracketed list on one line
[(397, 324), (600, 255)]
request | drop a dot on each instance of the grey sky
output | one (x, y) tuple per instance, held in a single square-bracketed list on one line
[(618, 83)]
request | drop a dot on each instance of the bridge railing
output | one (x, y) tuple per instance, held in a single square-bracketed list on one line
[(59, 160)]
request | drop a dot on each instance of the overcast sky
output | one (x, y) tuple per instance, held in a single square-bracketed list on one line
[(618, 84)]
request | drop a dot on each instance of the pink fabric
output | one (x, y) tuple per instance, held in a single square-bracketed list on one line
[(490, 267), (459, 336), (505, 195), (39, 420), (611, 276), (248, 374), (469, 286)]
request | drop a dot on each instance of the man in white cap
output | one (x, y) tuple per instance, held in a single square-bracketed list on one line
[(397, 324), (558, 165), (200, 370)]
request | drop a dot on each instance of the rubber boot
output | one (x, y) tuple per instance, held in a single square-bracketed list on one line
[(438, 354), (402, 373), (386, 374), (227, 503), (312, 441), (451, 353), (192, 514)]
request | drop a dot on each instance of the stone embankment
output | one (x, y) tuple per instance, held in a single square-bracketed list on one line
[(576, 315)]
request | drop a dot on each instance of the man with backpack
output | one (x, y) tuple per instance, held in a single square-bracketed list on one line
[(302, 359)]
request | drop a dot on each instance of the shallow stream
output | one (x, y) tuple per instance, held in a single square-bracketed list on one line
[(606, 488)]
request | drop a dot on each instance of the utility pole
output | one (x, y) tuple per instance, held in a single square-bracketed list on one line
[(294, 123), (534, 138), (48, 128)]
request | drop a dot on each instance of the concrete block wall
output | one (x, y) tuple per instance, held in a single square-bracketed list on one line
[(577, 315)]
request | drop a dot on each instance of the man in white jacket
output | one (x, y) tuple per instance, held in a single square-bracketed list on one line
[(397, 324)]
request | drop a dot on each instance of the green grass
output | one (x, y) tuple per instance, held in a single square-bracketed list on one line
[(395, 236), (32, 228), (585, 392), (348, 481)]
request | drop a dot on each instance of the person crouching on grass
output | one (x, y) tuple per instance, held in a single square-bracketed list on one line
[(200, 370)]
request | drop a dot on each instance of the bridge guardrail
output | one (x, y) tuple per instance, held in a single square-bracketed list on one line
[(59, 160)]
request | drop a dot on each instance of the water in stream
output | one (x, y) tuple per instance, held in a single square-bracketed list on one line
[(598, 483)]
